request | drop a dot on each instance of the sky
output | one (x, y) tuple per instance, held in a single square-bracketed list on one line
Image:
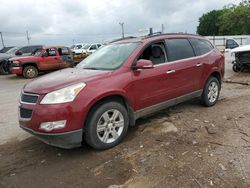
[(64, 22)]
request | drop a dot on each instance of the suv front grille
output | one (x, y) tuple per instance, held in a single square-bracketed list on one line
[(29, 98), (25, 113)]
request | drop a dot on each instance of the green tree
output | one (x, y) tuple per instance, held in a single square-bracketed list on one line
[(231, 20), (209, 23), (235, 20)]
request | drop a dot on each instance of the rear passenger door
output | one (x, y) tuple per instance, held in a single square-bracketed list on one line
[(186, 68), (203, 50)]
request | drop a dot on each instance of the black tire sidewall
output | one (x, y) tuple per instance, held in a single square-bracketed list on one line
[(25, 71), (90, 133), (2, 68), (204, 96)]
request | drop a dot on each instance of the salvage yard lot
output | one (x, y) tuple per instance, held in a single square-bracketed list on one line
[(185, 146)]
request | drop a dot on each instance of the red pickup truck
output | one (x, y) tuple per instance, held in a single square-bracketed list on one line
[(43, 60)]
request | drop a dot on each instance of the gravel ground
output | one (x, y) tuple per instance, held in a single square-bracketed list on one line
[(184, 146)]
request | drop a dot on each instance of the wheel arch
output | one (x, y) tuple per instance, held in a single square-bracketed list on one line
[(217, 75), (114, 97), (30, 64)]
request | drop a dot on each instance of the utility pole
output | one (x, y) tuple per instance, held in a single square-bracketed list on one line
[(162, 28), (122, 25), (28, 37), (2, 39)]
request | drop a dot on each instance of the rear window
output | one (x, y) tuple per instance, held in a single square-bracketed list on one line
[(178, 49), (201, 46)]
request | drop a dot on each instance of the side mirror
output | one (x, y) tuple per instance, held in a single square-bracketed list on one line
[(18, 53), (143, 64), (45, 54)]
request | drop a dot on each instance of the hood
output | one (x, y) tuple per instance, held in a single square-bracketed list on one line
[(79, 51), (4, 56), (24, 58), (241, 49), (62, 78)]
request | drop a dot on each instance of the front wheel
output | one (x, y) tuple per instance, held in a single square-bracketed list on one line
[(30, 72), (106, 125), (236, 68), (211, 92)]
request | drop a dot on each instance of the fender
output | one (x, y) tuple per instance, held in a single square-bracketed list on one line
[(107, 95), (22, 64)]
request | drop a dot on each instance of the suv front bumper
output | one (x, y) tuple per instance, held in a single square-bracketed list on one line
[(65, 140)]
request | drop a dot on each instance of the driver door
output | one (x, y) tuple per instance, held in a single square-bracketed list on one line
[(50, 60)]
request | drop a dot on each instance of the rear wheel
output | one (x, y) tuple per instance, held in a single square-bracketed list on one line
[(4, 68), (211, 92), (106, 126), (30, 72)]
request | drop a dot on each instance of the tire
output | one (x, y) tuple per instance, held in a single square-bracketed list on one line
[(30, 72), (236, 68), (4, 68), (111, 129), (211, 92)]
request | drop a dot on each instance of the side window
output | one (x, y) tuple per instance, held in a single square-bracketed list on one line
[(178, 49), (64, 51), (231, 44), (93, 47), (51, 52), (25, 50), (200, 46), (79, 46), (99, 45), (155, 52)]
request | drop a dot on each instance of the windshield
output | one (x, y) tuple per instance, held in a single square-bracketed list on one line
[(247, 41), (109, 57), (86, 46), (12, 50)]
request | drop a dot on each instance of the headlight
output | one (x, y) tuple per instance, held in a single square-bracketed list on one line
[(64, 95), (16, 62)]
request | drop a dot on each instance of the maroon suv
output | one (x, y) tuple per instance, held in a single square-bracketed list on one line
[(121, 82)]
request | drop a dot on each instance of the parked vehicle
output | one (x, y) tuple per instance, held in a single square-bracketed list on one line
[(242, 58), (77, 48), (16, 51), (121, 82), (90, 48), (81, 53), (45, 59), (6, 49)]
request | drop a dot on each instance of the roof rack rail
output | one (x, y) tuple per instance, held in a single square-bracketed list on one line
[(120, 39), (162, 34)]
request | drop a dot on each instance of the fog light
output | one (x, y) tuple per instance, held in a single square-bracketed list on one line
[(49, 126)]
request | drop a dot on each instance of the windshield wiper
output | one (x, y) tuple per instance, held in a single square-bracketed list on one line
[(90, 68)]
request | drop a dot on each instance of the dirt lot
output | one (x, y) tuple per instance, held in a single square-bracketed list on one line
[(184, 146)]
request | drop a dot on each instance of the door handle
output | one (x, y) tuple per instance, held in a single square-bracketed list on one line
[(170, 71), (199, 65), (55, 58)]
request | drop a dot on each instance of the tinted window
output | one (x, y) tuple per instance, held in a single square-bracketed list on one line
[(231, 44), (179, 49), (201, 46), (93, 47)]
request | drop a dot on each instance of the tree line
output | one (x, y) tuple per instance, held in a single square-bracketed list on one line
[(231, 20)]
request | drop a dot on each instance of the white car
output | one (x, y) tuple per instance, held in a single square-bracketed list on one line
[(77, 48), (89, 48)]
